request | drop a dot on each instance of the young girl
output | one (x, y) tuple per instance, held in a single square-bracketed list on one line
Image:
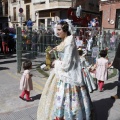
[(26, 81), (101, 67)]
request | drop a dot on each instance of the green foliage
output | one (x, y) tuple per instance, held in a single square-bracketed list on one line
[(114, 73)]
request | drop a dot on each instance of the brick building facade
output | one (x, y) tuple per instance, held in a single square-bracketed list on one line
[(110, 14)]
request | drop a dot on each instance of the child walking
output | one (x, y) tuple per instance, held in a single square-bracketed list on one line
[(101, 67), (26, 81)]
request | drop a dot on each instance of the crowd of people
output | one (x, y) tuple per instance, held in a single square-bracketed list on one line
[(7, 42), (66, 93)]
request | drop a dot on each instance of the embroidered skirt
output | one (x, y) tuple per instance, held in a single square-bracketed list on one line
[(63, 101)]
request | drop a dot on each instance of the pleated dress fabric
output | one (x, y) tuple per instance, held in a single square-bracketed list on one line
[(88, 79)]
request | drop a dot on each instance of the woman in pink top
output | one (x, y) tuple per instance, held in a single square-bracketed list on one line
[(101, 67)]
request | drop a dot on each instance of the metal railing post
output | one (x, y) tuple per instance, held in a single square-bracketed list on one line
[(19, 49)]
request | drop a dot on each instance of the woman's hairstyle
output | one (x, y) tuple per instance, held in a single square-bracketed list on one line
[(80, 52), (27, 64), (65, 27), (103, 53)]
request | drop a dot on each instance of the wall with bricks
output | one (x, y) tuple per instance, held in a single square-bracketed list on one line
[(109, 14)]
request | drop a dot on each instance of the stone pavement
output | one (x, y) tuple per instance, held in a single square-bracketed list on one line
[(105, 108), (11, 107)]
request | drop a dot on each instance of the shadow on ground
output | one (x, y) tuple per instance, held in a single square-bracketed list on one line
[(102, 108), (110, 86), (4, 68), (8, 61), (36, 97)]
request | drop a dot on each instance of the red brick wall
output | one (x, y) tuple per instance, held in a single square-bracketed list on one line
[(109, 11)]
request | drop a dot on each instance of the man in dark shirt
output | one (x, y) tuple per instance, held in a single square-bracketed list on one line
[(116, 64)]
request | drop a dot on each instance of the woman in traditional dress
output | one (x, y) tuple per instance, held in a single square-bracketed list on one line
[(65, 96)]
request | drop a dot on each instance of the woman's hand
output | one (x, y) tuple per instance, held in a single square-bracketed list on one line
[(50, 51), (53, 63), (110, 64), (54, 49)]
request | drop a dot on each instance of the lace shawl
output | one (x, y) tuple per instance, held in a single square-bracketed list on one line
[(68, 69)]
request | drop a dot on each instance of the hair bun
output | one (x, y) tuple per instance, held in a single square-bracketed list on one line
[(67, 25)]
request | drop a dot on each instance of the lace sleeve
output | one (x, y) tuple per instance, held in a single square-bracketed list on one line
[(67, 59)]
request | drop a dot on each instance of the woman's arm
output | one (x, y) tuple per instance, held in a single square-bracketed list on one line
[(28, 76), (110, 64), (68, 57), (94, 67)]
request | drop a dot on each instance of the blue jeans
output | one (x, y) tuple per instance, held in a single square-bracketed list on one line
[(118, 89)]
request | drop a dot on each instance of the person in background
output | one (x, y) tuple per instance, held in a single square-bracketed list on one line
[(29, 24), (101, 67), (11, 43), (34, 43), (5, 40), (116, 64), (29, 34), (95, 53), (26, 81), (89, 44), (79, 42), (113, 41)]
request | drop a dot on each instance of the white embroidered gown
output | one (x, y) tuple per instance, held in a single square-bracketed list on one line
[(65, 96)]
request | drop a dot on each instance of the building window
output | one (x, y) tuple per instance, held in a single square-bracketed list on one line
[(27, 12), (14, 13), (117, 25), (27, 1)]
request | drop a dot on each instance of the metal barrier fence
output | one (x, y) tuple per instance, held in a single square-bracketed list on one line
[(32, 43), (111, 37)]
